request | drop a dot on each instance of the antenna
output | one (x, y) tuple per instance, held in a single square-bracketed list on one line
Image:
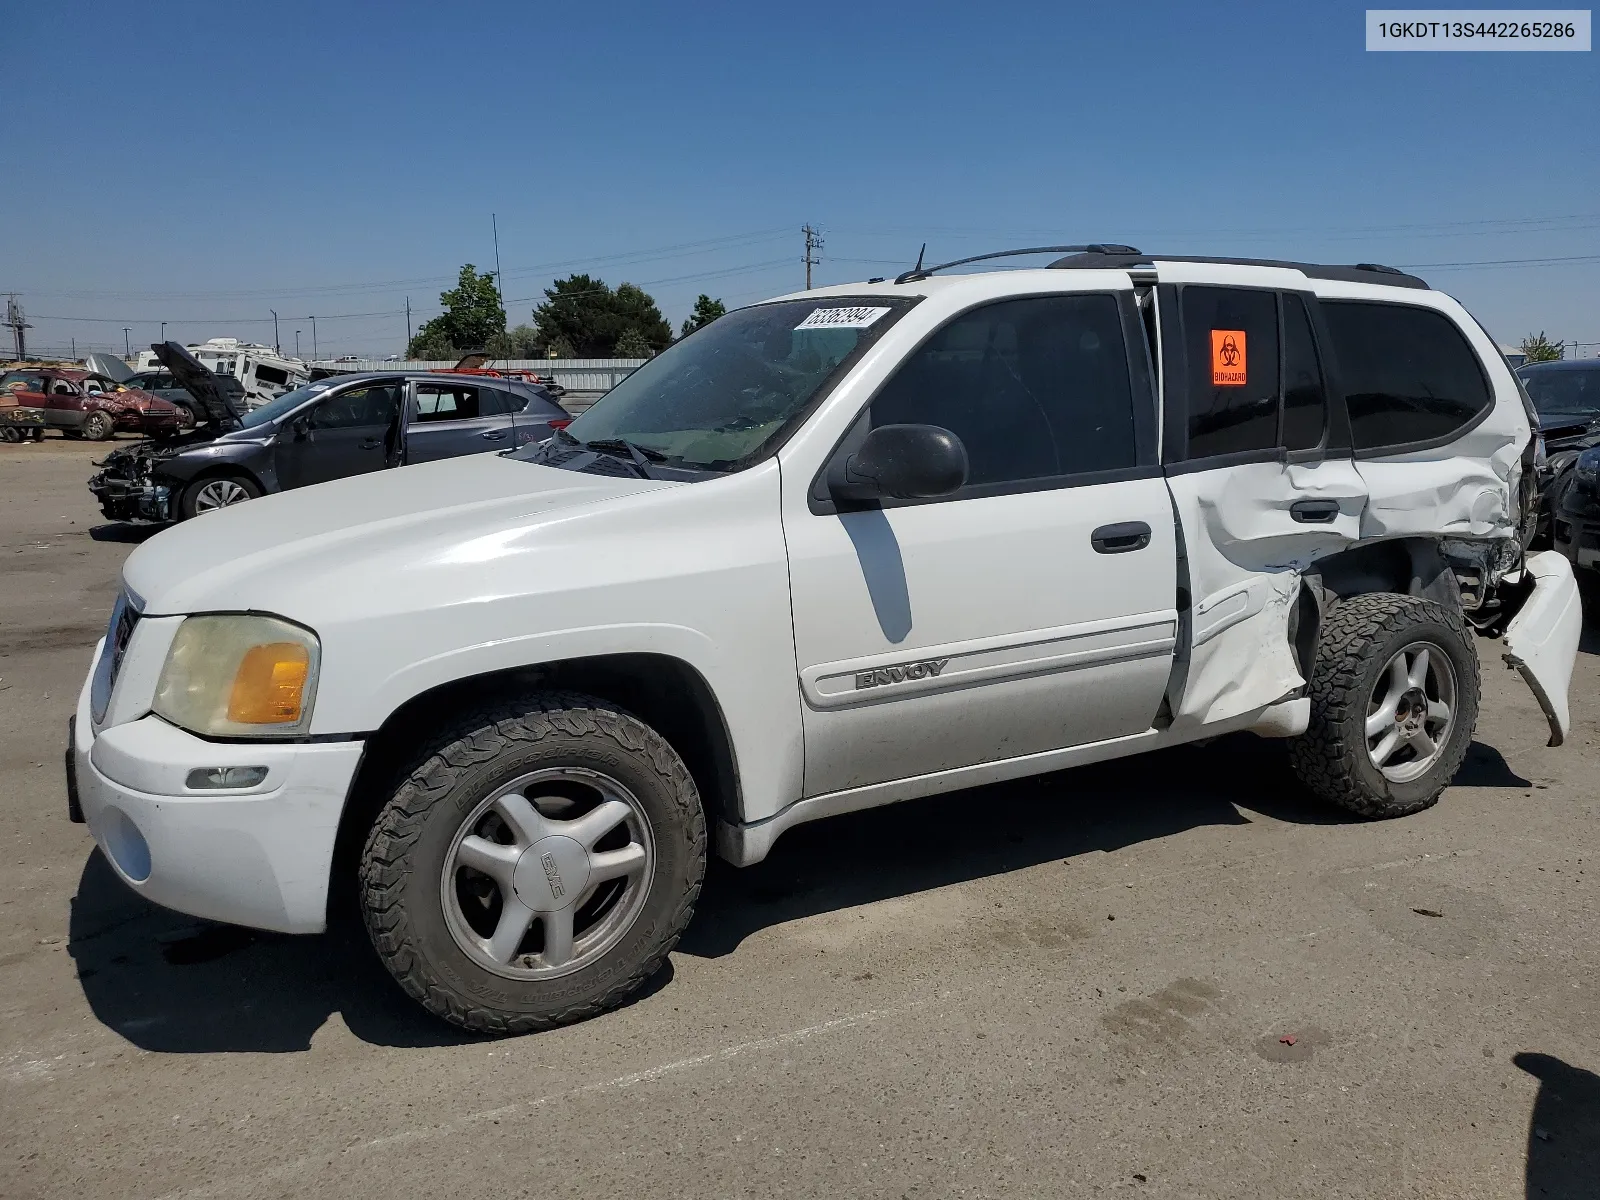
[(917, 270)]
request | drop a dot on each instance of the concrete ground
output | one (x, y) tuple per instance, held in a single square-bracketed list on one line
[(1172, 976)]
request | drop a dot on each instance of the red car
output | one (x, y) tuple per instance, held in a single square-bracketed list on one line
[(82, 404)]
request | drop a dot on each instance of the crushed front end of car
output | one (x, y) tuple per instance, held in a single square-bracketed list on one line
[(127, 486)]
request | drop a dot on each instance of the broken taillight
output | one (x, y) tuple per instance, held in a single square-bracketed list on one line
[(560, 422)]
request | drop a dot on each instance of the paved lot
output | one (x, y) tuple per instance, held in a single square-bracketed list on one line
[(1075, 986)]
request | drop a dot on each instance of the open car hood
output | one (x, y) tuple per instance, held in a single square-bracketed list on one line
[(109, 365), (220, 396)]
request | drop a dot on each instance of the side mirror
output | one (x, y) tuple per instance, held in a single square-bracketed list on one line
[(902, 462)]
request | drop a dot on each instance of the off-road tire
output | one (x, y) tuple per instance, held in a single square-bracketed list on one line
[(98, 427), (405, 853), (1358, 638)]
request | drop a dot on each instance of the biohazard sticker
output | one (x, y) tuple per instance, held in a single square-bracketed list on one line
[(1228, 358), (841, 318)]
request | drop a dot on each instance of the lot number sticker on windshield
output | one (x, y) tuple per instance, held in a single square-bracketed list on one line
[(1227, 358), (841, 318)]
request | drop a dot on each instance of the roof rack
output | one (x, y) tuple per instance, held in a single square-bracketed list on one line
[(1115, 257), (921, 272)]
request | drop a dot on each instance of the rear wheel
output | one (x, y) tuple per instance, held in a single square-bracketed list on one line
[(536, 867), (98, 427), (10, 433), (217, 491), (1394, 698)]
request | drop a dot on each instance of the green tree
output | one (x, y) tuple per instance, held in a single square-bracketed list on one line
[(632, 344), (587, 318), (706, 310), (432, 342), (521, 342), (1539, 348), (472, 316)]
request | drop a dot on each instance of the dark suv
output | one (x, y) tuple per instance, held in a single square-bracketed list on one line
[(329, 429)]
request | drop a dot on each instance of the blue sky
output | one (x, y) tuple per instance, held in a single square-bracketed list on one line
[(205, 163)]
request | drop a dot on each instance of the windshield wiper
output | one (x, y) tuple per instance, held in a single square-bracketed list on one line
[(641, 454)]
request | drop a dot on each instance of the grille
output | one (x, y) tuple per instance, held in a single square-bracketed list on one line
[(120, 637)]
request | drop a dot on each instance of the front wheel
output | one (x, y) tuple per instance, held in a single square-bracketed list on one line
[(537, 865), (217, 491), (1394, 698), (98, 427)]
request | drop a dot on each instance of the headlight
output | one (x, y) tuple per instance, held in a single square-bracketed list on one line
[(1587, 467), (239, 676)]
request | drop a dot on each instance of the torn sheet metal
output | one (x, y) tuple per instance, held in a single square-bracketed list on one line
[(1245, 553), (1541, 643)]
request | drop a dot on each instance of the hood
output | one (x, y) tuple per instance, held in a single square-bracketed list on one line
[(282, 552), (220, 396), (109, 365)]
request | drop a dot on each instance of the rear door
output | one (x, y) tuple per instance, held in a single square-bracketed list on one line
[(1259, 467), (348, 433), (449, 419), (1031, 611)]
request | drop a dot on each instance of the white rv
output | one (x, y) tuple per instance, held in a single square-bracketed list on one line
[(264, 372)]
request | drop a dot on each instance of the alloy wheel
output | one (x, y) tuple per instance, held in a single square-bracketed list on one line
[(1411, 712), (219, 493), (547, 873)]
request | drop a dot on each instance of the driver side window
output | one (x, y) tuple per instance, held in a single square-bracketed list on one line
[(1035, 388), (359, 408)]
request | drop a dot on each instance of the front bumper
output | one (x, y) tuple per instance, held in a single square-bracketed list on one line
[(258, 856)]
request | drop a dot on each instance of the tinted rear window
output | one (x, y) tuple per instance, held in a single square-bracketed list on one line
[(1408, 373), (1231, 339)]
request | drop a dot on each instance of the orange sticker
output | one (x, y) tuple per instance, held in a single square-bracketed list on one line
[(1227, 358)]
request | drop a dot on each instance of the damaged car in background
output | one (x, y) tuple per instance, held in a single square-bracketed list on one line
[(87, 404), (1566, 408), (331, 429)]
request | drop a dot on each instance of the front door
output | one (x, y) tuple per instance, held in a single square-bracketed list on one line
[(1263, 482), (348, 433), (1030, 611), (451, 419)]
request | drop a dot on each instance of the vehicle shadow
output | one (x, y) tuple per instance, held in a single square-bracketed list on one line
[(919, 845), (124, 531), (173, 985), (898, 850), (1563, 1130)]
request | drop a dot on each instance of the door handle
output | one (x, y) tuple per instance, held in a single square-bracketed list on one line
[(1121, 537), (372, 443), (1314, 512), (494, 435)]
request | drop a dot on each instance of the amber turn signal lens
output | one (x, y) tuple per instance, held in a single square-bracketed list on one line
[(269, 684)]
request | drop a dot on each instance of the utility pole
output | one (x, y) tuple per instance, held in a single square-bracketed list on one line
[(813, 246), (499, 289), (18, 322), (276, 346), (297, 343), (163, 331), (313, 339), (408, 324), (127, 348)]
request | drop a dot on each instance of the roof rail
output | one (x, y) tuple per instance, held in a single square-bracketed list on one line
[(1357, 273), (921, 272)]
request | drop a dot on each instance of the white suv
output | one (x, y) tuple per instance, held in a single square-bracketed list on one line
[(841, 549)]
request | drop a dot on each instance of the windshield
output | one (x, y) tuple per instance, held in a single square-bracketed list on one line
[(1566, 390), (721, 396), (288, 402)]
